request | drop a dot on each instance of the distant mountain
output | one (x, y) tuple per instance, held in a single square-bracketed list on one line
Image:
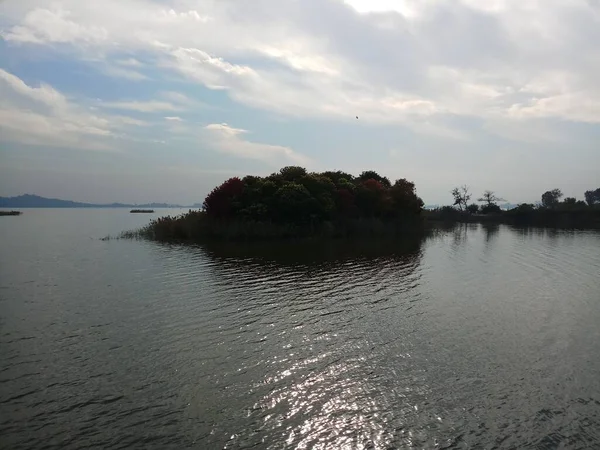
[(35, 201)]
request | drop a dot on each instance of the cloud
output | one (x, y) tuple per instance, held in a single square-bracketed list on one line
[(43, 116), (230, 140), (120, 72), (174, 119), (143, 106), (129, 62), (44, 26), (414, 63)]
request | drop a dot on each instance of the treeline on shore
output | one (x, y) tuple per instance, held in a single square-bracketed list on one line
[(294, 203), (552, 211)]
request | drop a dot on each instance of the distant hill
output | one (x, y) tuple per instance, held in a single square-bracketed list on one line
[(35, 201)]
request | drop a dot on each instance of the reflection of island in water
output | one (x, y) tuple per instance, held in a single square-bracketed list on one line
[(314, 252)]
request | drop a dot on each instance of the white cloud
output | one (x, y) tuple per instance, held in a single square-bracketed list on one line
[(128, 74), (230, 140), (43, 116), (43, 25), (143, 106), (174, 119), (129, 62), (406, 62)]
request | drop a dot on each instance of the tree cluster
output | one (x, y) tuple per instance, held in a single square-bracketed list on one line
[(550, 200), (296, 196), (462, 196)]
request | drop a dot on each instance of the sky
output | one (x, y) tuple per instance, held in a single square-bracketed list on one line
[(161, 100)]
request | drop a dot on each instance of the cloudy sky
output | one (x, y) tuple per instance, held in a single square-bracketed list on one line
[(160, 100)]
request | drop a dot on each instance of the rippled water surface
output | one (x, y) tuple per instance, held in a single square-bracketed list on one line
[(477, 337)]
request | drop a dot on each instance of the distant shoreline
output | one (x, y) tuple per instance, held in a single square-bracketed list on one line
[(96, 207), (36, 201)]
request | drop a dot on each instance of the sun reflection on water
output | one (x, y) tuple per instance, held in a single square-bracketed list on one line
[(329, 408)]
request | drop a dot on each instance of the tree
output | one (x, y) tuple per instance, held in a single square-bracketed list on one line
[(338, 177), (294, 203), (370, 197), (322, 190), (404, 198), (473, 208), (292, 173), (222, 200), (372, 175), (490, 198), (491, 209), (461, 197), (551, 198), (592, 197)]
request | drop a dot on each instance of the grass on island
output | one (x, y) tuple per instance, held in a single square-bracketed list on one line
[(10, 213), (142, 211)]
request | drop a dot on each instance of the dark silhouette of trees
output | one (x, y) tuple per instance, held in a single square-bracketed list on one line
[(491, 209), (592, 197), (224, 199), (294, 203), (490, 199), (550, 199), (295, 196), (404, 198), (569, 213), (372, 175), (461, 197), (571, 203), (473, 208), (292, 173)]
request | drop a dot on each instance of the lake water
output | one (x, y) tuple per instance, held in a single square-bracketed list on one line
[(476, 337)]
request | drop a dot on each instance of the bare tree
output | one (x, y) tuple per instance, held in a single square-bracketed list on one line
[(490, 198), (461, 197)]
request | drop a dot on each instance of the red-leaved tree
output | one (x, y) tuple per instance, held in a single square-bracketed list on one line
[(221, 201)]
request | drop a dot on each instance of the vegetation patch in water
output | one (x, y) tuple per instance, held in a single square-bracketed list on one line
[(10, 213), (293, 203)]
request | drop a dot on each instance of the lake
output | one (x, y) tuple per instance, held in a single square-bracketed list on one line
[(474, 337)]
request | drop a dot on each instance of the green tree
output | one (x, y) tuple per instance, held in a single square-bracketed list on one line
[(491, 209), (322, 189), (473, 208), (592, 197), (338, 177), (294, 203), (292, 173), (550, 199)]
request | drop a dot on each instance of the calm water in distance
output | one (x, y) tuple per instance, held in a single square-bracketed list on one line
[(477, 337)]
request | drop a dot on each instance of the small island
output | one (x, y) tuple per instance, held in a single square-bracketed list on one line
[(142, 211), (10, 213), (294, 203)]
